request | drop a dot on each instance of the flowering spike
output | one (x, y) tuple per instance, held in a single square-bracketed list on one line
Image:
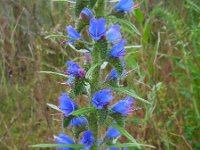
[(113, 34), (63, 139), (102, 98), (67, 105), (124, 5), (97, 28), (72, 33), (124, 107), (118, 51), (87, 139)]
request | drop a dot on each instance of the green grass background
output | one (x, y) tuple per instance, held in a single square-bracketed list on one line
[(164, 68)]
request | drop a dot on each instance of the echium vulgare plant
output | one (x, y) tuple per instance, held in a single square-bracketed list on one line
[(102, 45)]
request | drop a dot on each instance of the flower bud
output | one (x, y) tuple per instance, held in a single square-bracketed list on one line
[(86, 14)]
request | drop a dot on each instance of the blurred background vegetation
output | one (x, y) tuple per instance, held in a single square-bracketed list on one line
[(164, 67)]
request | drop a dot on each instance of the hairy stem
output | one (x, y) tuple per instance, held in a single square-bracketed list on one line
[(93, 120)]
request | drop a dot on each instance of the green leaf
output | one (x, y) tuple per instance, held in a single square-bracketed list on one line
[(79, 146), (131, 93), (123, 132), (78, 50), (54, 107), (128, 145), (66, 37), (82, 111), (54, 73)]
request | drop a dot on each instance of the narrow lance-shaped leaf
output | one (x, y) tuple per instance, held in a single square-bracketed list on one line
[(82, 111), (129, 145), (54, 73), (130, 92), (126, 22), (54, 107), (78, 146)]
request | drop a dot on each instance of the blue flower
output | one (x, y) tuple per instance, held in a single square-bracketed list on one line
[(86, 14), (75, 70), (87, 139), (118, 51), (63, 139), (124, 5), (112, 133), (113, 34), (97, 28), (79, 122), (124, 107), (67, 105), (102, 98), (72, 33)]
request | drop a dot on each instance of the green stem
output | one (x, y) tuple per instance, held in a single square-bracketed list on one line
[(93, 121)]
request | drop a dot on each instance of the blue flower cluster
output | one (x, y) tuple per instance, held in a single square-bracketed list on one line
[(101, 100), (87, 140)]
